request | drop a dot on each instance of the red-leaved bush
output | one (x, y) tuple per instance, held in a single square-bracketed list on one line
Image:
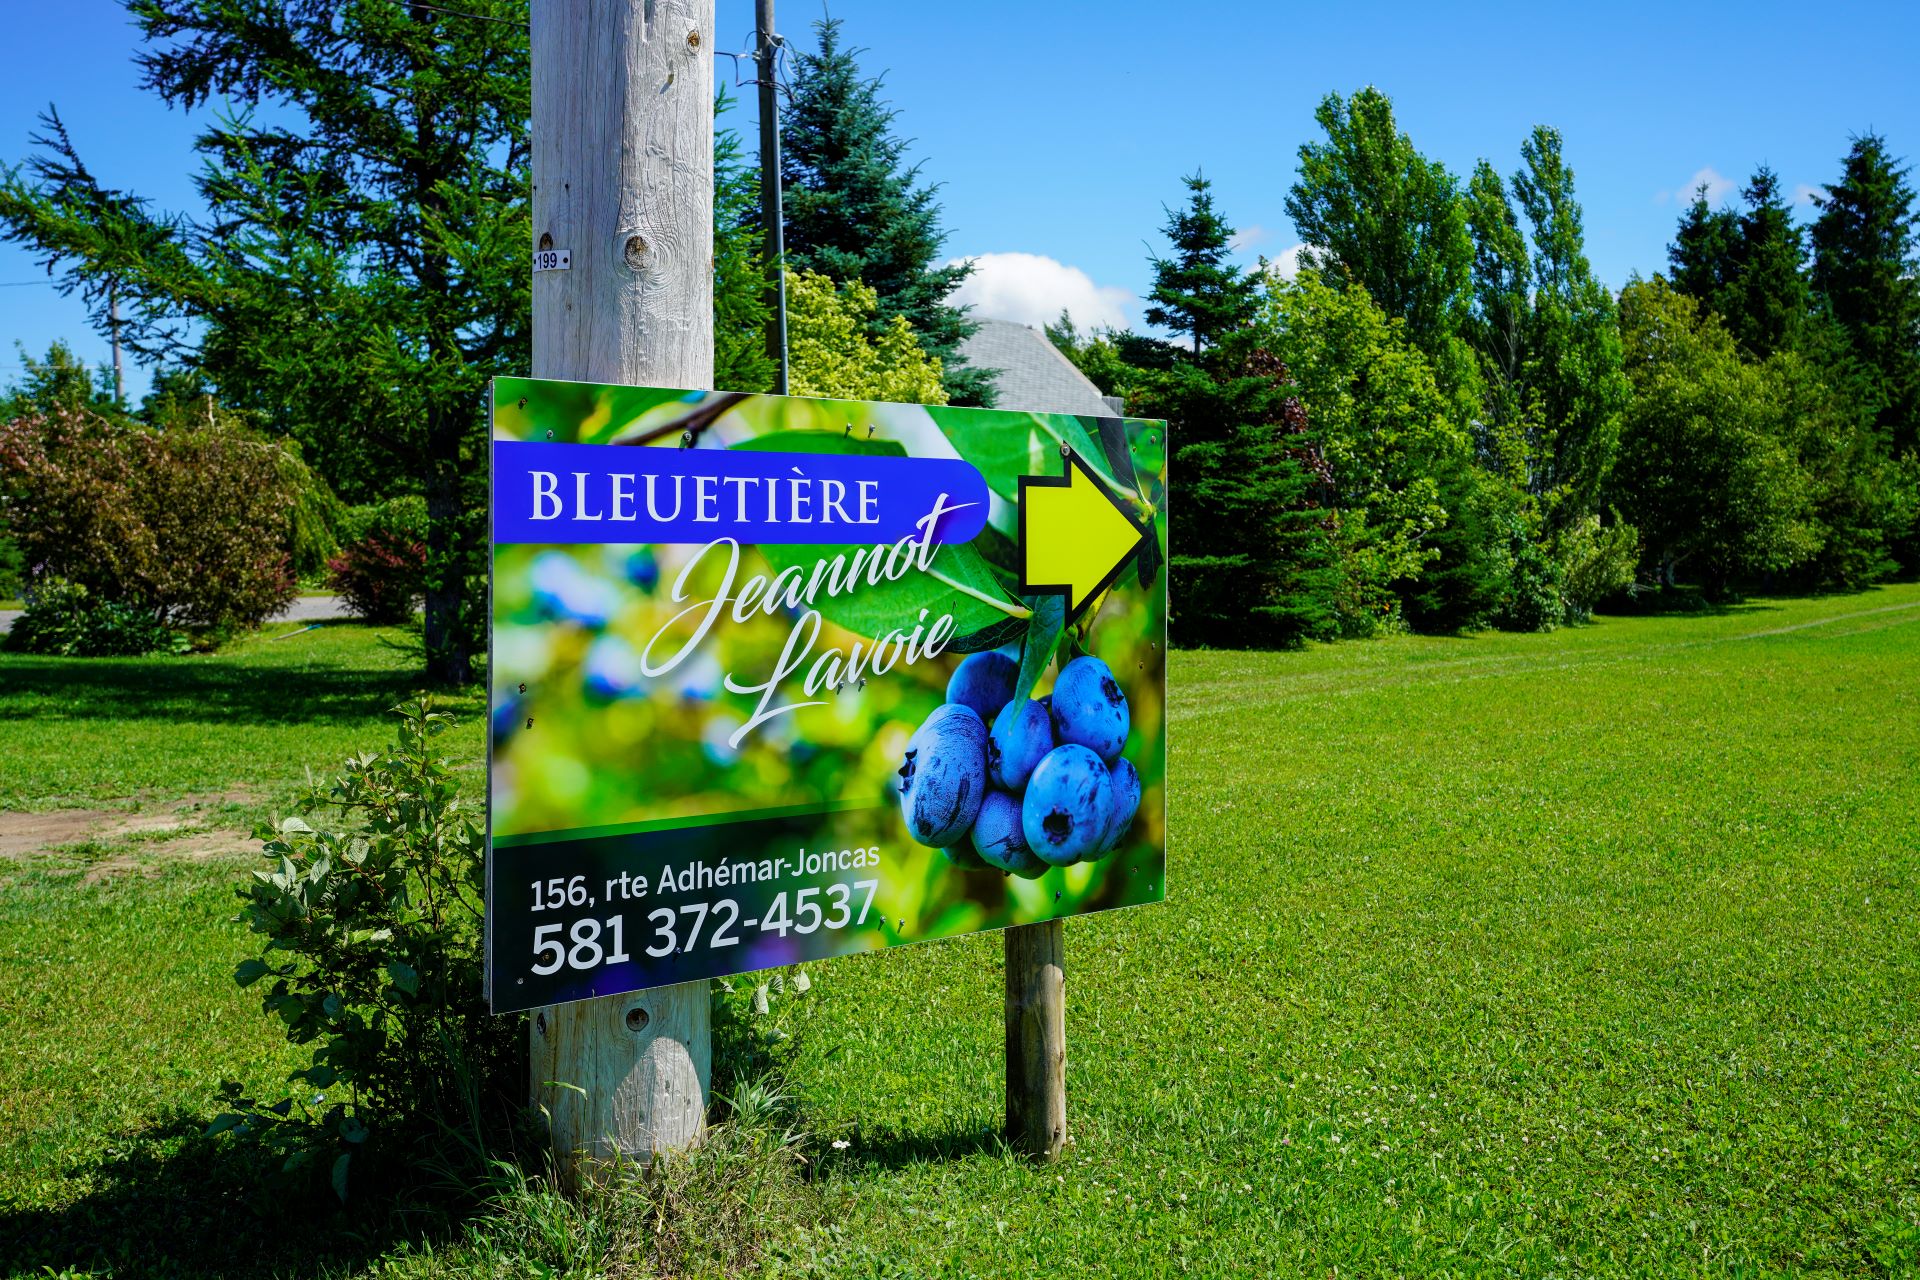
[(381, 575), (189, 523)]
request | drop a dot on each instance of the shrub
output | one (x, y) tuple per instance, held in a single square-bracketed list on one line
[(1532, 600), (62, 618), (188, 524), (1595, 562), (381, 569), (373, 956)]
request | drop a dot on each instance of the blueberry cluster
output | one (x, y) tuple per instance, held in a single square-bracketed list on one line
[(1045, 786)]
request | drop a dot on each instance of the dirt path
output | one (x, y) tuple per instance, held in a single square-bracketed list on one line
[(131, 842)]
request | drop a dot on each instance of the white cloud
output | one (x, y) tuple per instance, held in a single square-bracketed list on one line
[(1032, 289), (1286, 264), (1718, 188), (1805, 192), (1247, 237)]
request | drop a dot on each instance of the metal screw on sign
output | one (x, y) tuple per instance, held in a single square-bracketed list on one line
[(686, 439), (1066, 450), (523, 686), (523, 402), (549, 435), (529, 722), (869, 431)]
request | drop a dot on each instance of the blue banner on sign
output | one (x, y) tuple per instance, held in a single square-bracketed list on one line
[(599, 493)]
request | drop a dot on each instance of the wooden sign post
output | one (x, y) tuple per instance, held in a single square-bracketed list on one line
[(623, 197), (1037, 1038)]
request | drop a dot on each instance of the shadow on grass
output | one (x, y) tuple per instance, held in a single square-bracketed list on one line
[(896, 1150), (167, 1202), (195, 689)]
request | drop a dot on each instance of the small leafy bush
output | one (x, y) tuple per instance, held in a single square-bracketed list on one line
[(1596, 562), (63, 619), (189, 524), (381, 569), (372, 955), (1532, 600)]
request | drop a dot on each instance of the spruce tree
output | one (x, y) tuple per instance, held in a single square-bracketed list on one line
[(1703, 258), (1259, 569), (1770, 298), (1196, 291), (1866, 275), (1747, 267), (856, 210), (740, 311)]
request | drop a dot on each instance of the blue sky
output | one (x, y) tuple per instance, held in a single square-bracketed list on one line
[(1059, 128)]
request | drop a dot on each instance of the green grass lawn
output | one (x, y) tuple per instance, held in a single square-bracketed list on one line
[(1595, 952), (249, 720)]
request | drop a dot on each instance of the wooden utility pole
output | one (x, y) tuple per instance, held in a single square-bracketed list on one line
[(113, 326), (772, 209), (623, 182)]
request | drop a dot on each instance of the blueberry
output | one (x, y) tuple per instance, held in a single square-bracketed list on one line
[(999, 839), (1068, 806), (962, 855), (984, 681), (1126, 803), (1090, 708), (563, 591), (944, 776), (643, 571), (506, 718), (612, 670), (1019, 738)]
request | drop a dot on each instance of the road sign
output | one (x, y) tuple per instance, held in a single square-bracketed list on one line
[(777, 678)]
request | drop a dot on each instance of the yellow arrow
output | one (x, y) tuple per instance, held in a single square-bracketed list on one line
[(1074, 537)]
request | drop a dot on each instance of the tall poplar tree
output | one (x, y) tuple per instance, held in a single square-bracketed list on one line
[(1575, 372), (362, 268), (856, 210), (1196, 291), (1376, 213)]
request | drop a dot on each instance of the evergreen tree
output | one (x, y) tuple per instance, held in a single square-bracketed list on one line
[(1770, 299), (363, 267), (1702, 261), (740, 311), (1747, 267), (1259, 570), (1196, 291), (1866, 275), (1376, 213), (856, 210)]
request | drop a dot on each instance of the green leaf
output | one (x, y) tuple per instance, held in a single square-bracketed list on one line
[(1043, 639), (352, 1130), (1004, 447), (404, 977), (339, 1178), (248, 972), (823, 442), (222, 1123), (960, 582)]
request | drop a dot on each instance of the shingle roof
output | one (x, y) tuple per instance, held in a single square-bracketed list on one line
[(1033, 375)]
